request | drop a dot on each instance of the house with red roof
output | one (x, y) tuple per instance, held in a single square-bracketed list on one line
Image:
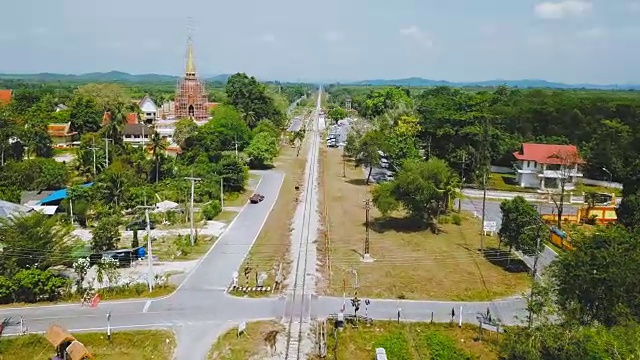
[(5, 96), (61, 134), (547, 166)]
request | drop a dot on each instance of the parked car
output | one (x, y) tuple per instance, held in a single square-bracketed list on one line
[(256, 198), (384, 163), (140, 224)]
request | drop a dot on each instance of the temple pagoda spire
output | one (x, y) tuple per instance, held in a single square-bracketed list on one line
[(191, 66)]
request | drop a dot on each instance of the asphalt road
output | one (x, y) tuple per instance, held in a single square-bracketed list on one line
[(200, 309)]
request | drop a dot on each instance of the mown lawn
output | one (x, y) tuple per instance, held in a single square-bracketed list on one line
[(411, 341), (124, 345), (411, 262)]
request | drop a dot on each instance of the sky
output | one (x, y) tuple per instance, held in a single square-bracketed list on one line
[(571, 41)]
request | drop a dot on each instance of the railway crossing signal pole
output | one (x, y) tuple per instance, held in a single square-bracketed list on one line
[(367, 255), (193, 185)]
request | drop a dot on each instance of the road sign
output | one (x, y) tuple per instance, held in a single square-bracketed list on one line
[(490, 227)]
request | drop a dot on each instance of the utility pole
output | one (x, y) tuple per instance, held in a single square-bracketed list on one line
[(464, 161), (485, 166), (534, 271), (193, 185), (106, 148), (149, 255), (344, 169), (367, 255), (484, 204), (94, 148)]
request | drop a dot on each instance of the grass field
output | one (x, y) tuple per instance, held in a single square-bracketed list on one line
[(410, 263), (272, 245), (411, 341), (124, 345), (250, 345)]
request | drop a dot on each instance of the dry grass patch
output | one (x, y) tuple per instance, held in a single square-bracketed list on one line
[(272, 245), (410, 263), (250, 345), (124, 345), (419, 341)]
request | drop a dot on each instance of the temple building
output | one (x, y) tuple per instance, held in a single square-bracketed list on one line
[(191, 97)]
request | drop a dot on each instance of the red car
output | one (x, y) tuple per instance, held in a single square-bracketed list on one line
[(256, 198)]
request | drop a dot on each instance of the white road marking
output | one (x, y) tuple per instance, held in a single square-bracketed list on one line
[(146, 306)]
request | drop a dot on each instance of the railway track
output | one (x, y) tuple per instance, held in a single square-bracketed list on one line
[(298, 319)]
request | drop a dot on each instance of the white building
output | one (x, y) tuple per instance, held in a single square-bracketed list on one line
[(166, 128), (543, 166), (137, 134), (149, 110)]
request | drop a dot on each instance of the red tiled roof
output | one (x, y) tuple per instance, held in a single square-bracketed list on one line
[(106, 118), (549, 153), (132, 118), (5, 95), (60, 130)]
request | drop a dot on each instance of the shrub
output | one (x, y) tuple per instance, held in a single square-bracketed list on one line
[(36, 285), (456, 219), (7, 289), (211, 210)]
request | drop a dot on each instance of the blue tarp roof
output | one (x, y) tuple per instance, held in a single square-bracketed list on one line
[(59, 195)]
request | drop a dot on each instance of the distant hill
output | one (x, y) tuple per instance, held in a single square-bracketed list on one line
[(525, 83), (111, 76)]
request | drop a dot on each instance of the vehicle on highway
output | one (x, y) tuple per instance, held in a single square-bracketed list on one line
[(140, 224), (256, 198)]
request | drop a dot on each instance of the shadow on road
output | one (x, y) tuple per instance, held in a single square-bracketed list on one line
[(505, 259)]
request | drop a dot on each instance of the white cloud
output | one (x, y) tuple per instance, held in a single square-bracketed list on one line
[(562, 9), (333, 36), (592, 33), (421, 37), (267, 38)]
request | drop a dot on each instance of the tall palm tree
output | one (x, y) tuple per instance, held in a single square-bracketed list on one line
[(158, 146), (117, 120)]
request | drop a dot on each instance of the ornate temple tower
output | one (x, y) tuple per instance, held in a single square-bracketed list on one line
[(191, 97)]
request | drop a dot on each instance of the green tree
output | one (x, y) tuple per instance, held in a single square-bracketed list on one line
[(107, 96), (250, 97), (185, 128), (233, 171), (337, 113), (220, 133), (34, 174), (34, 240), (112, 184), (211, 210), (267, 126), (158, 147), (368, 151), (106, 234), (37, 140), (262, 150), (591, 287), (520, 225), (85, 114), (33, 285)]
